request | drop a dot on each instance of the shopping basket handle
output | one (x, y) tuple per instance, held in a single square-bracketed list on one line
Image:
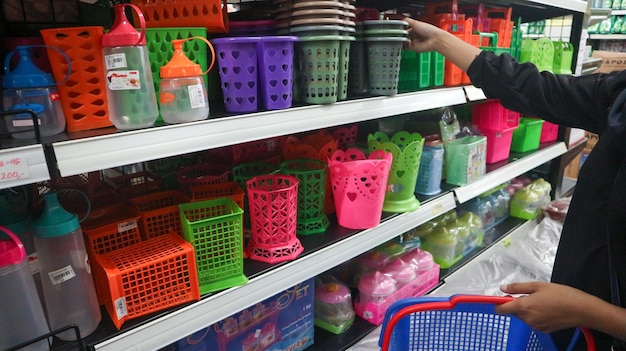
[(426, 304)]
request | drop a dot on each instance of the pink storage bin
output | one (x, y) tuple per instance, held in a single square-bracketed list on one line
[(359, 185), (549, 132), (373, 311), (492, 115), (498, 143)]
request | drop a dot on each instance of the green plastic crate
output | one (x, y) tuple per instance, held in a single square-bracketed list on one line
[(437, 61), (527, 135), (215, 229)]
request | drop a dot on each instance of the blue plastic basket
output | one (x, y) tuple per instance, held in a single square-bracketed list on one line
[(461, 322)]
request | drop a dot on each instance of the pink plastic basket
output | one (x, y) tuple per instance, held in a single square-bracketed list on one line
[(549, 132), (359, 185), (273, 205), (492, 115), (498, 144)]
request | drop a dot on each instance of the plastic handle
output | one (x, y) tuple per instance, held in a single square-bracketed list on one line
[(17, 242), (142, 22), (493, 38), (7, 61), (210, 47)]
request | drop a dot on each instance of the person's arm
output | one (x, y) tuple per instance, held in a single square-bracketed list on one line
[(548, 307), (426, 37)]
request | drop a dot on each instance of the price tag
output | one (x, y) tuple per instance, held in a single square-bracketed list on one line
[(437, 209), (12, 169)]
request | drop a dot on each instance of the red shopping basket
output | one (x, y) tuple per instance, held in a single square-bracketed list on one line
[(461, 322)]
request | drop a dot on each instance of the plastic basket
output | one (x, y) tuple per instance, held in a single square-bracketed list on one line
[(318, 62), (492, 115), (462, 29), (209, 14), (237, 59), (201, 174), (275, 64), (461, 322), (549, 132), (358, 69), (344, 67), (538, 51), (231, 190), (437, 69), (83, 94), (273, 201), (215, 229), (498, 144), (159, 212), (359, 186), (147, 277), (527, 135), (383, 61), (431, 168), (135, 184), (563, 56)]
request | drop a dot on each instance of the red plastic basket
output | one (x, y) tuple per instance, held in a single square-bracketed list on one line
[(461, 322), (209, 14), (147, 277)]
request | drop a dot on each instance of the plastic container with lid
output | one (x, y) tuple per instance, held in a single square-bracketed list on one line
[(66, 279), (129, 85), (182, 90), (402, 272), (26, 87), (21, 313), (421, 260), (333, 307), (373, 260), (375, 287)]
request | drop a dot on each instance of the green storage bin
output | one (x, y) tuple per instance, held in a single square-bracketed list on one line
[(527, 135), (437, 61), (466, 159)]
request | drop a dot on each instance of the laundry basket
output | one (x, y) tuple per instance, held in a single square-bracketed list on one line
[(461, 322)]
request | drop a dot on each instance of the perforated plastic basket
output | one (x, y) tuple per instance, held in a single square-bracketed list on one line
[(461, 322), (159, 212), (318, 62), (215, 229), (209, 14), (383, 59), (237, 59)]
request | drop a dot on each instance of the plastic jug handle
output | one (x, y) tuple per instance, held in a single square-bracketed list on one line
[(7, 61), (17, 241), (210, 47), (142, 22)]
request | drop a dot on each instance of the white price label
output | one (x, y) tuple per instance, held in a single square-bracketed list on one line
[(115, 61), (61, 275), (196, 96), (13, 169), (121, 310)]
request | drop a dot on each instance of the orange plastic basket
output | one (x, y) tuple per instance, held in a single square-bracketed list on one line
[(462, 29), (83, 94), (201, 174), (231, 190), (159, 212), (210, 14), (108, 229), (148, 277)]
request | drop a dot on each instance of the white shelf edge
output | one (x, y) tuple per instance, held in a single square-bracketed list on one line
[(509, 171), (473, 93), (607, 36), (123, 148), (179, 324), (36, 160)]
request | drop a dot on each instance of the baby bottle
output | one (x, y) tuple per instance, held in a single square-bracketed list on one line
[(375, 287), (21, 314), (182, 90), (66, 279), (129, 85), (27, 87), (402, 272)]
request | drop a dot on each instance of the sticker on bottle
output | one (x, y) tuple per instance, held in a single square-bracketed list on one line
[(196, 96), (33, 263), (123, 80), (120, 308), (115, 61), (61, 275)]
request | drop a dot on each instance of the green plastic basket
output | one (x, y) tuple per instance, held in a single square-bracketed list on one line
[(215, 229), (563, 56), (415, 71), (318, 60), (538, 51), (357, 73), (344, 67), (527, 135), (437, 62)]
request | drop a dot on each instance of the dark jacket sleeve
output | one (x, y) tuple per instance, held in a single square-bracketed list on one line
[(580, 102)]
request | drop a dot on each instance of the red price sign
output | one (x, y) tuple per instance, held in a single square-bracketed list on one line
[(13, 169)]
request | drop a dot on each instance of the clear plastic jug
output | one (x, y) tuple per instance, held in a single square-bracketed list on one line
[(21, 313)]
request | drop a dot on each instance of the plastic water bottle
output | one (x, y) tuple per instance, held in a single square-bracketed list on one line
[(27, 87), (21, 314), (182, 90), (68, 286), (130, 89)]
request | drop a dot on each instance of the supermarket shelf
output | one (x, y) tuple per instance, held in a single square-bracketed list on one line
[(507, 170), (23, 165), (607, 36), (617, 12), (180, 323), (123, 148), (598, 15)]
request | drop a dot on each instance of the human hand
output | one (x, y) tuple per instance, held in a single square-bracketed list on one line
[(548, 306), (424, 36)]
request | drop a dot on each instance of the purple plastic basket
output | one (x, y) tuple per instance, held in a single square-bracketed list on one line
[(237, 61), (275, 55)]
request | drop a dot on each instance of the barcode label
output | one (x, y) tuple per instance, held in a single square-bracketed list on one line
[(61, 275), (120, 308), (115, 61), (196, 96), (126, 226)]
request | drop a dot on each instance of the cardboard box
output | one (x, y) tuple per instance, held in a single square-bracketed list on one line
[(282, 322), (611, 61)]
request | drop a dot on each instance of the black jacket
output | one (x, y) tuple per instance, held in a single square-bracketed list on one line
[(598, 204)]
